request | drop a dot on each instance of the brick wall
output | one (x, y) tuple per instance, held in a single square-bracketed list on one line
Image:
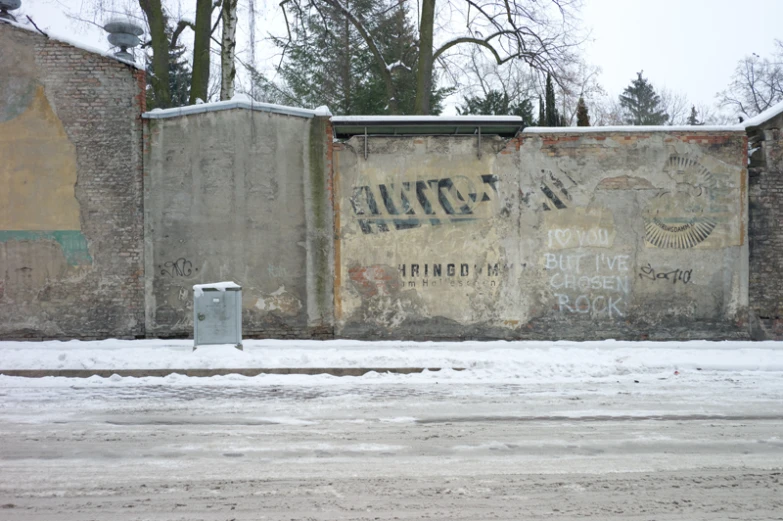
[(766, 230), (90, 285)]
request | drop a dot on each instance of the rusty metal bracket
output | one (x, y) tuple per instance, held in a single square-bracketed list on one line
[(365, 143), (479, 143)]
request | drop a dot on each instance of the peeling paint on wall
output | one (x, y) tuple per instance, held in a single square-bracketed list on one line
[(72, 242), (584, 237), (38, 171), (279, 300), (38, 175)]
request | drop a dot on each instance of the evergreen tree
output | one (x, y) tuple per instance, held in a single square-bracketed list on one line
[(541, 113), (328, 62), (552, 117), (641, 104), (497, 103), (179, 78), (693, 119), (582, 116)]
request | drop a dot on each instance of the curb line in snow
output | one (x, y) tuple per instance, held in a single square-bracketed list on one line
[(141, 373)]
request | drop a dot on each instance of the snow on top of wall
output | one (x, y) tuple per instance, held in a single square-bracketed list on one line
[(425, 119), (755, 121), (198, 289), (323, 110), (239, 101), (633, 128), (774, 110), (95, 50)]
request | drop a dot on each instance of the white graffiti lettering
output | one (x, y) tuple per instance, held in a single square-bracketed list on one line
[(587, 304), (563, 262), (618, 283), (581, 290), (561, 238)]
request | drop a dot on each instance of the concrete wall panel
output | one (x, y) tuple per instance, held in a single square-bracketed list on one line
[(225, 200)]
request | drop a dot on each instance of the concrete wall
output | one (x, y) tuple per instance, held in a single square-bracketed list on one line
[(561, 235), (766, 234), (566, 234), (238, 195), (70, 205)]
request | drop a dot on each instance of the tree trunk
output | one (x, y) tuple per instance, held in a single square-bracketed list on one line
[(200, 83), (228, 49), (346, 69), (424, 74), (160, 52)]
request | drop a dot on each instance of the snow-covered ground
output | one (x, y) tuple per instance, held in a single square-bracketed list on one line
[(565, 431), (498, 361)]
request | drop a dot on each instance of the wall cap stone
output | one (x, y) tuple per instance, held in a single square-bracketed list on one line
[(237, 102), (691, 129), (764, 117)]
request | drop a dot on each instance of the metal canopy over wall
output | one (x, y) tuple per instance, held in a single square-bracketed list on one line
[(347, 126)]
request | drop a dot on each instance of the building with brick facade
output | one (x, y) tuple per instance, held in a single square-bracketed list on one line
[(71, 230), (765, 233)]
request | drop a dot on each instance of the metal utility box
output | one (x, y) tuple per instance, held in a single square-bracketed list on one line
[(217, 314)]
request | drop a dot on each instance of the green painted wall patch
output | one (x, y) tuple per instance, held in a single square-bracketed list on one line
[(72, 242)]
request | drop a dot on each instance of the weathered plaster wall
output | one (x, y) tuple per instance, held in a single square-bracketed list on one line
[(562, 235), (558, 235), (766, 230), (70, 204), (229, 196)]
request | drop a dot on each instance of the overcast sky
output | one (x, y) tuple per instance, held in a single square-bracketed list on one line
[(688, 46)]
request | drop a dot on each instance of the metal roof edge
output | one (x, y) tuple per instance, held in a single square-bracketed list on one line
[(425, 120)]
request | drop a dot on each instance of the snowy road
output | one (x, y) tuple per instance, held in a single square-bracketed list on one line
[(698, 445)]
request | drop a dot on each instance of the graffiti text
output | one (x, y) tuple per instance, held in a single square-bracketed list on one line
[(409, 204)]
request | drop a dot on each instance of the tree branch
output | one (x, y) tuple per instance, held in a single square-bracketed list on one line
[(181, 26), (36, 27)]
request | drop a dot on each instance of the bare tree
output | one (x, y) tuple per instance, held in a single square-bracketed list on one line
[(538, 33), (606, 111), (165, 31), (160, 45), (710, 115), (675, 104), (579, 80), (228, 70), (201, 44), (757, 84), (484, 75)]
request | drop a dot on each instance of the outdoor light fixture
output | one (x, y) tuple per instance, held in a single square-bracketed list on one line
[(123, 33), (9, 5)]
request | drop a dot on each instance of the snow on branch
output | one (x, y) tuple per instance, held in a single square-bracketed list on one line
[(397, 65)]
